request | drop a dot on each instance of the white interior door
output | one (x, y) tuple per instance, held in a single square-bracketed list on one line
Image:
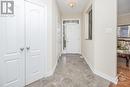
[(72, 35), (12, 48), (35, 25)]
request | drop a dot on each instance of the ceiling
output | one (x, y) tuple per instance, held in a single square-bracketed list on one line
[(66, 10), (123, 7)]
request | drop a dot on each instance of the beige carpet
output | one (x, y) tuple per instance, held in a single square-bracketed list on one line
[(72, 71)]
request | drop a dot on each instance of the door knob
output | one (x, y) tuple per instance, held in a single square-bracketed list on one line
[(21, 49), (28, 48)]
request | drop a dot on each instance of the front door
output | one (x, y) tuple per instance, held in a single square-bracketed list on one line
[(35, 26), (72, 36)]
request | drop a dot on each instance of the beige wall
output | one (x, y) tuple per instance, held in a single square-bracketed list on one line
[(53, 43), (65, 16), (105, 25), (69, 16), (100, 53), (124, 19), (87, 47), (56, 34)]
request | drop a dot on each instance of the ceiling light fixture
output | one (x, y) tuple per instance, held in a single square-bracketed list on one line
[(72, 3)]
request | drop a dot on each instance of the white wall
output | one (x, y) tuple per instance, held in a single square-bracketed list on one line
[(105, 26), (124, 19), (87, 47), (69, 16), (53, 41), (56, 34), (100, 53)]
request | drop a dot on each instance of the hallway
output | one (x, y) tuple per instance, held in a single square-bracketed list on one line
[(39, 38), (71, 71)]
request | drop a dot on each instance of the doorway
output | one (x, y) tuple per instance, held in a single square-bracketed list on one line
[(123, 44), (71, 36)]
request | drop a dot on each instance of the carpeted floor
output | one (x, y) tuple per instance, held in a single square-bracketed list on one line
[(72, 71)]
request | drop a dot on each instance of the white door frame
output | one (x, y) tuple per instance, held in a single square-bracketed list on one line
[(62, 31), (37, 3)]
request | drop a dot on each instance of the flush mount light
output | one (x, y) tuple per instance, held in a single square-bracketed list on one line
[(72, 3)]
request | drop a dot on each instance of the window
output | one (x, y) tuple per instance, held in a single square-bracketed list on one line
[(123, 31), (90, 25)]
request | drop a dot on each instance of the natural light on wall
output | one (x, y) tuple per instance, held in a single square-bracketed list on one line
[(72, 3)]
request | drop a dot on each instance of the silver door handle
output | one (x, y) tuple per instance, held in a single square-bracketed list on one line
[(21, 49), (28, 48)]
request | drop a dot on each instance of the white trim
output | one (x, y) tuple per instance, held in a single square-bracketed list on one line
[(91, 67), (46, 43), (103, 75), (51, 72), (88, 8), (36, 3)]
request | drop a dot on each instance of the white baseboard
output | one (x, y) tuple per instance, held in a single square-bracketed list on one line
[(103, 75), (51, 72), (91, 67), (107, 77)]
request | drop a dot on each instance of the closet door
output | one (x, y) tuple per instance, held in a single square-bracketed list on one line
[(12, 47), (35, 25)]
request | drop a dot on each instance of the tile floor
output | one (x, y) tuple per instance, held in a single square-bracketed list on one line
[(71, 71)]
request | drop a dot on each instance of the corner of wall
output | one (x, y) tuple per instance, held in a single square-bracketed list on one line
[(101, 74), (51, 72), (105, 76), (89, 64)]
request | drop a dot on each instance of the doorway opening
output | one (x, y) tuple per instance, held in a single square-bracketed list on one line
[(123, 43), (71, 37)]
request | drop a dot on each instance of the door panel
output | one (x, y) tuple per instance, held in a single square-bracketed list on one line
[(35, 25), (72, 38), (11, 57)]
